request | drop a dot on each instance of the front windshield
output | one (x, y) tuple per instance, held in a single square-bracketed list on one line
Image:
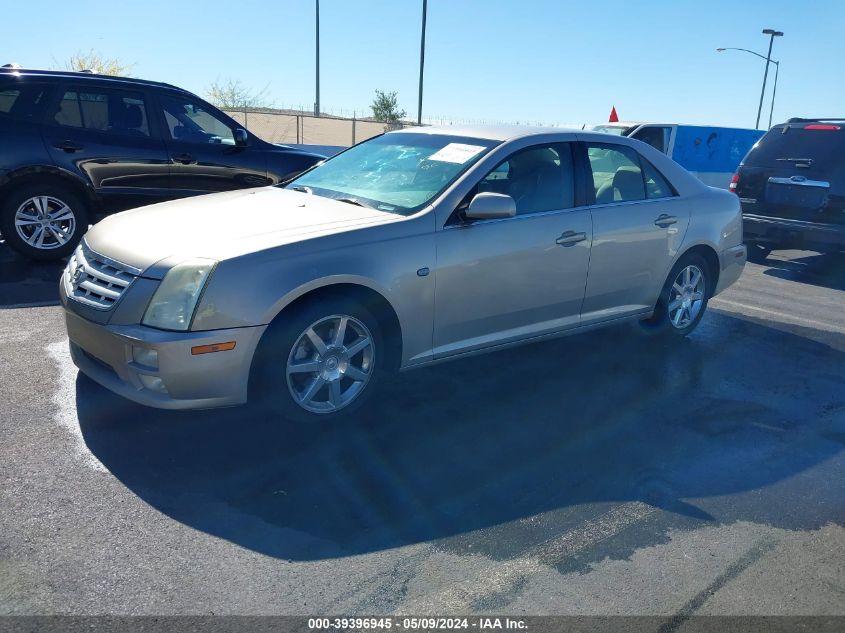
[(618, 130), (399, 172)]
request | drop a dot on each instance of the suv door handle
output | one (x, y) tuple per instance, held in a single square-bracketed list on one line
[(570, 238), (665, 220), (184, 158), (67, 146)]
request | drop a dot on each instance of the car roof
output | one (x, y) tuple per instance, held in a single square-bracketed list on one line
[(85, 76)]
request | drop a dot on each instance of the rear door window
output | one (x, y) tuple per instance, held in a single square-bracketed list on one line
[(121, 112)]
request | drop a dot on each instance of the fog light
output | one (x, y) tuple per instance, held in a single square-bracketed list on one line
[(153, 383), (146, 357)]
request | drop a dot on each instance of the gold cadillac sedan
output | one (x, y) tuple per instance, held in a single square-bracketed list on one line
[(411, 248)]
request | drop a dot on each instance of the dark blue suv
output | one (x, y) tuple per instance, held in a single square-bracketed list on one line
[(77, 146)]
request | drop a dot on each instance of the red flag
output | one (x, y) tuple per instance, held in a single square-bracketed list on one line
[(614, 118)]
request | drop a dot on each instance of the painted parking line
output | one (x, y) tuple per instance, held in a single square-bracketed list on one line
[(64, 401), (743, 308)]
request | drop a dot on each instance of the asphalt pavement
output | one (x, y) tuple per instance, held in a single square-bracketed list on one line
[(596, 474)]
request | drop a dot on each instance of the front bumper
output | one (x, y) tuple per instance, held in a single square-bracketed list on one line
[(105, 354), (786, 233), (731, 264)]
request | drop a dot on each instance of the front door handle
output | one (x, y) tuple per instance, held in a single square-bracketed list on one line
[(67, 146), (184, 158), (665, 220), (570, 238)]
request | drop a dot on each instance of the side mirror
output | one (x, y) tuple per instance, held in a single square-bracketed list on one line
[(240, 136), (489, 206)]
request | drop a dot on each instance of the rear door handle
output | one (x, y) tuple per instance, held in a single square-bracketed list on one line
[(67, 146), (665, 220), (184, 158), (570, 238)]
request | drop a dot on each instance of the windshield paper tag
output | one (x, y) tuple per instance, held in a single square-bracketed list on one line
[(456, 153)]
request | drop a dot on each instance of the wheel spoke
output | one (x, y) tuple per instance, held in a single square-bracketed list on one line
[(678, 316), (355, 374), (64, 214), (334, 393), (695, 278), (697, 296), (25, 222), (687, 273), (341, 331), (358, 345), (39, 207), (677, 288), (36, 234), (312, 390), (316, 341), (673, 305), (60, 239), (305, 367)]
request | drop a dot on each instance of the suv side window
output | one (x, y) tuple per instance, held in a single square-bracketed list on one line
[(538, 178), (103, 110), (191, 122), (22, 101)]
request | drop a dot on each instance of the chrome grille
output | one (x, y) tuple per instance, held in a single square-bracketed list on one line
[(95, 279)]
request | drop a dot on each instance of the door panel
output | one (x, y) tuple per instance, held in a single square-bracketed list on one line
[(202, 150), (631, 255), (103, 135), (504, 280)]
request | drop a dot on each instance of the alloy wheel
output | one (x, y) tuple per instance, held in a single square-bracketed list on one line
[(686, 297), (330, 363), (45, 222)]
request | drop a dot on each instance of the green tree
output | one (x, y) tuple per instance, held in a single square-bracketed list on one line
[(385, 107), (97, 63), (232, 95)]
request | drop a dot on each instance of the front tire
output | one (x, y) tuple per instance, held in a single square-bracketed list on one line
[(683, 300), (43, 222), (321, 362)]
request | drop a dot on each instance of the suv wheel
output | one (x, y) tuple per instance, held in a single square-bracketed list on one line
[(320, 362), (683, 300), (43, 221)]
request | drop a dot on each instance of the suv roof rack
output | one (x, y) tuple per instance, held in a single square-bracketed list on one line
[(814, 119), (90, 74)]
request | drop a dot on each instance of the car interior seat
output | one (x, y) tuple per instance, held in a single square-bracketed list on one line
[(627, 184)]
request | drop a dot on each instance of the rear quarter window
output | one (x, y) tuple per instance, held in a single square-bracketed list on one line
[(23, 101)]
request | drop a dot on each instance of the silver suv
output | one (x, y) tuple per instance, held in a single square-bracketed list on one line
[(411, 248)]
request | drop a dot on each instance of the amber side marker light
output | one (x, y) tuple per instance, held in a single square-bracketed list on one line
[(214, 347)]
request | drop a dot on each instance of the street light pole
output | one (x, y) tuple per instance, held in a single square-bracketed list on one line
[(422, 62), (777, 69), (773, 34), (774, 92), (317, 102)]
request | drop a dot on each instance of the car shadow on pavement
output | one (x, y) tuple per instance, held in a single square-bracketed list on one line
[(826, 270), (486, 442), (28, 283)]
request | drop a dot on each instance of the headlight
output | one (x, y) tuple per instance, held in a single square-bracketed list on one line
[(172, 306)]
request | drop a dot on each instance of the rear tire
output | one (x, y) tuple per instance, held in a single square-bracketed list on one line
[(683, 300), (43, 222), (305, 371)]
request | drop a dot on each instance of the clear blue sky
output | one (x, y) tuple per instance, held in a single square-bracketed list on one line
[(543, 61)]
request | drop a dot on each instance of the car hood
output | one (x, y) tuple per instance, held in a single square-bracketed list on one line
[(224, 225)]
